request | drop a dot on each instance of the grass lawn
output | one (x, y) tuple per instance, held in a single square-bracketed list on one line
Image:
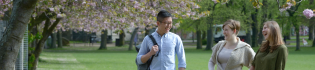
[(118, 58), (309, 42), (77, 42)]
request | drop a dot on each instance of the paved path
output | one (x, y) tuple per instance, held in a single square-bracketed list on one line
[(90, 44), (113, 45)]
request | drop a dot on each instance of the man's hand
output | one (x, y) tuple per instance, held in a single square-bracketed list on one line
[(154, 49), (147, 56), (181, 68)]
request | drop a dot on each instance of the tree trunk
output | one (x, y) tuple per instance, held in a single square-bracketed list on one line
[(209, 38), (122, 37), (59, 38), (248, 38), (260, 37), (15, 29), (103, 40), (264, 19), (313, 38), (255, 29), (289, 35), (134, 33), (147, 30), (311, 30), (53, 40), (193, 37), (46, 32), (181, 34), (313, 42), (288, 27), (199, 42), (204, 35), (297, 31)]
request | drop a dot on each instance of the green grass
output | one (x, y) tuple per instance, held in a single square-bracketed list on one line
[(309, 42), (300, 40), (119, 58), (293, 37), (78, 42)]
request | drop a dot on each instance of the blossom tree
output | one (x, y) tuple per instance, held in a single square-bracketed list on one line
[(308, 13), (14, 31)]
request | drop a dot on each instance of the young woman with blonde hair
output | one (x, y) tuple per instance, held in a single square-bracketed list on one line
[(231, 53), (272, 54)]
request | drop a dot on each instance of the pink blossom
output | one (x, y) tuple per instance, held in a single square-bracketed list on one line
[(132, 24), (154, 4), (136, 5), (167, 6), (215, 1), (182, 4), (183, 15), (122, 20), (1, 13), (6, 9), (104, 8), (94, 30), (177, 25), (194, 18), (193, 13), (308, 13), (125, 9), (58, 26), (86, 30), (60, 15), (139, 33), (141, 9), (93, 4), (131, 14), (153, 13), (154, 24), (176, 12), (195, 5), (63, 0), (64, 29), (51, 9), (142, 27), (83, 2), (257, 6), (282, 9), (289, 6)]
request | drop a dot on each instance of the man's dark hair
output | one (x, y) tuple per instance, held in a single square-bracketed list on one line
[(163, 14)]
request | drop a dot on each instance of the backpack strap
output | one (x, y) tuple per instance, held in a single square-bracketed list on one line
[(153, 40), (154, 43)]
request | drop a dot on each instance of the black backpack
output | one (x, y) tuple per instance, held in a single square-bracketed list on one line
[(146, 66)]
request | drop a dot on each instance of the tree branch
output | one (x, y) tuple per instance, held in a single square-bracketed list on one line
[(41, 18), (278, 4), (28, 3), (53, 26)]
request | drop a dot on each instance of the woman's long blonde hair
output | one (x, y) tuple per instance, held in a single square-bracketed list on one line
[(274, 39)]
